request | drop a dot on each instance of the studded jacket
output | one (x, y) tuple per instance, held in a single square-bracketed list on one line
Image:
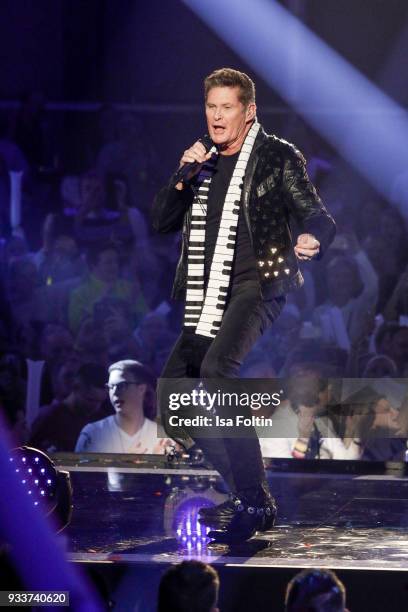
[(276, 190)]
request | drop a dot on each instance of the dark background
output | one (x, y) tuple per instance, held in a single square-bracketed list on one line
[(157, 53)]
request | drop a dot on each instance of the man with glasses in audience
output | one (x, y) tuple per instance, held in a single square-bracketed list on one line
[(129, 430)]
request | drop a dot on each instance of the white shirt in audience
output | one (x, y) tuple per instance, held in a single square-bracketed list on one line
[(285, 423), (105, 436)]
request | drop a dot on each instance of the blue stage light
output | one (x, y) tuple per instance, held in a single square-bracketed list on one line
[(189, 531), (366, 126), (39, 471), (48, 488)]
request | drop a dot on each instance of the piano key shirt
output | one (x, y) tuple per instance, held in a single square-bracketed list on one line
[(244, 266)]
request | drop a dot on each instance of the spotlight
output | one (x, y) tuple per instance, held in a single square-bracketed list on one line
[(339, 102), (189, 531), (49, 489), (181, 516)]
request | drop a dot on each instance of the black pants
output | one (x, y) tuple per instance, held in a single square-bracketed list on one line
[(245, 319)]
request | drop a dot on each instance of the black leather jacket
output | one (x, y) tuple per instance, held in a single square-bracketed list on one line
[(276, 187)]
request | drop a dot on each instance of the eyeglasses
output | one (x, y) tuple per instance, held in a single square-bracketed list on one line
[(120, 386)]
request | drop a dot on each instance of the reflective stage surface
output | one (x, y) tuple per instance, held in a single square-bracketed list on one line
[(145, 515)]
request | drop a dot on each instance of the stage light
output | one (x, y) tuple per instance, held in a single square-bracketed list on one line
[(49, 488), (181, 512), (366, 126), (189, 531)]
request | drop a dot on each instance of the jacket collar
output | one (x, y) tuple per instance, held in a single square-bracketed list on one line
[(260, 139)]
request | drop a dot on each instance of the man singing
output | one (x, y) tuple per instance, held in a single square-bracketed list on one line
[(237, 263)]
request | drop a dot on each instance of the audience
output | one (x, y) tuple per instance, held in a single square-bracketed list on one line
[(304, 427), (91, 290), (352, 291), (190, 585), (154, 339), (12, 395), (56, 349), (397, 350), (104, 291), (60, 262), (282, 337), (26, 303), (59, 424), (95, 289), (130, 155), (94, 222), (194, 585), (129, 430), (386, 440), (315, 590)]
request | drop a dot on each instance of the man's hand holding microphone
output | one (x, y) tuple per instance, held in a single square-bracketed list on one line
[(192, 160)]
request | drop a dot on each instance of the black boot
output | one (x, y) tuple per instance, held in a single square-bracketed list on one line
[(248, 517), (221, 515)]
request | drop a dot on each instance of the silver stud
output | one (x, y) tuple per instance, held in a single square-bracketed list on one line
[(270, 262), (266, 274), (280, 259), (261, 263), (276, 273), (273, 250), (287, 270)]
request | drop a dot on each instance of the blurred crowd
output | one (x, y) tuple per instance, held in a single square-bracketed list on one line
[(85, 283), (193, 585)]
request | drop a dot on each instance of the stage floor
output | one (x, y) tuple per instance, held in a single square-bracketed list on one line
[(134, 516), (146, 513)]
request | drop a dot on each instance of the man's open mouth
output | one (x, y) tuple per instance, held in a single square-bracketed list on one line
[(218, 129)]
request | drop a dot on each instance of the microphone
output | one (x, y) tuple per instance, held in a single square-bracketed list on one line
[(184, 171)]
